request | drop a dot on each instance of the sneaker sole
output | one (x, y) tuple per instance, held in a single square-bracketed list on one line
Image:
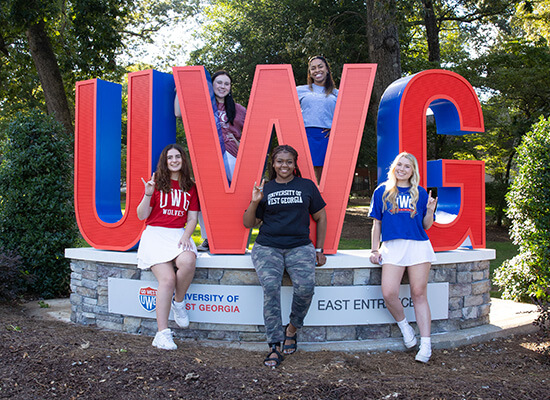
[(163, 348), (422, 359), (411, 344), (182, 325)]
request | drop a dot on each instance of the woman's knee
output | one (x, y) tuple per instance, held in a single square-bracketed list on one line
[(186, 261), (419, 295), (390, 293), (271, 287), (304, 290), (167, 281)]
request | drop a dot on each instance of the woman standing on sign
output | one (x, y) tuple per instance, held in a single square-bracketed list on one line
[(284, 205), (402, 211), (317, 101), (231, 118), (170, 206)]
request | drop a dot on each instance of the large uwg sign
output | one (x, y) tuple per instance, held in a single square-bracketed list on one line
[(273, 104)]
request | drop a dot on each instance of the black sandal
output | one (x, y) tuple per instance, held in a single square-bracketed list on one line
[(293, 346), (278, 360)]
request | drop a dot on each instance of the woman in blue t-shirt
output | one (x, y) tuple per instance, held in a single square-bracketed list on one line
[(402, 211), (317, 101), (284, 205)]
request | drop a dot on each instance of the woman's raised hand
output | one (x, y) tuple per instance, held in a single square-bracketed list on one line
[(431, 202), (149, 185), (258, 191)]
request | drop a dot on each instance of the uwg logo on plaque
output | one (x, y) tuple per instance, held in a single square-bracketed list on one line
[(148, 298)]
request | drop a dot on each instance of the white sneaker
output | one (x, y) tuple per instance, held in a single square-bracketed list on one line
[(409, 337), (424, 354), (163, 340), (180, 314)]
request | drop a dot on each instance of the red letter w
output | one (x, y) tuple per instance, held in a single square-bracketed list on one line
[(273, 103)]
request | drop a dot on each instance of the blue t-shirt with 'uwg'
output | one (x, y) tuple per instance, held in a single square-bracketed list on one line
[(398, 224)]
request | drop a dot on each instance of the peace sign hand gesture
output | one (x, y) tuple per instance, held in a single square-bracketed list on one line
[(258, 191), (149, 185)]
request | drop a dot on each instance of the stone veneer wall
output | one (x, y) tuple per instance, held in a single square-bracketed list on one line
[(469, 299)]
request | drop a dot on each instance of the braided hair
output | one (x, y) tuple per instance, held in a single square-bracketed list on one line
[(280, 149)]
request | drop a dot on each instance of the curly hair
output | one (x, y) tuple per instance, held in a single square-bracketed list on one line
[(162, 174), (280, 149), (391, 191), (329, 81)]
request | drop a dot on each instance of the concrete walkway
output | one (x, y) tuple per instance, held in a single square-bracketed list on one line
[(507, 318)]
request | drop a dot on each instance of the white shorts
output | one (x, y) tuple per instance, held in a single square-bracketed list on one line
[(159, 245), (404, 252)]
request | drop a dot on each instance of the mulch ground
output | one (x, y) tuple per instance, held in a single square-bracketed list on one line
[(52, 359), (43, 359)]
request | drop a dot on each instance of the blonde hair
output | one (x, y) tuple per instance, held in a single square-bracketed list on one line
[(391, 190)]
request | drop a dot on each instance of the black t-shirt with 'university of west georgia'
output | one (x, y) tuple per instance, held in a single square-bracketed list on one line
[(285, 210)]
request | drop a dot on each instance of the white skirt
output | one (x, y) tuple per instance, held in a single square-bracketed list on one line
[(160, 245), (404, 252)]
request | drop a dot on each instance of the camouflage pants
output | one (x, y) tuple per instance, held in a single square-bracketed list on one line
[(270, 264)]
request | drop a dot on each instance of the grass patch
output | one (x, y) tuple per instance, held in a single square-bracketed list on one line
[(354, 244), (198, 239), (357, 206)]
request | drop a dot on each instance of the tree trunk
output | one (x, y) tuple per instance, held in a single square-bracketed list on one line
[(432, 32), (384, 47), (50, 75), (384, 50)]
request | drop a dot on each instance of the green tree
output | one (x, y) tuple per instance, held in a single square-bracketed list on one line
[(528, 274), (513, 77), (445, 34), (36, 212), (46, 46), (240, 34), (532, 18), (484, 42)]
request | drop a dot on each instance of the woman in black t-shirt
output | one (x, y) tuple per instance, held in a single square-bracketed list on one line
[(284, 205)]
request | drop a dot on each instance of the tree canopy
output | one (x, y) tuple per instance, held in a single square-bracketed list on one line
[(48, 45), (500, 46)]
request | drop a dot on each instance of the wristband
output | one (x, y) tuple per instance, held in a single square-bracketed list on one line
[(319, 250)]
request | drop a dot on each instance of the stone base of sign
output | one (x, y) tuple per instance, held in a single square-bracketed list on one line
[(466, 271)]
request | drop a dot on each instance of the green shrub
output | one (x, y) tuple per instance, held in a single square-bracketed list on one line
[(13, 277), (528, 274), (36, 191), (543, 323)]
